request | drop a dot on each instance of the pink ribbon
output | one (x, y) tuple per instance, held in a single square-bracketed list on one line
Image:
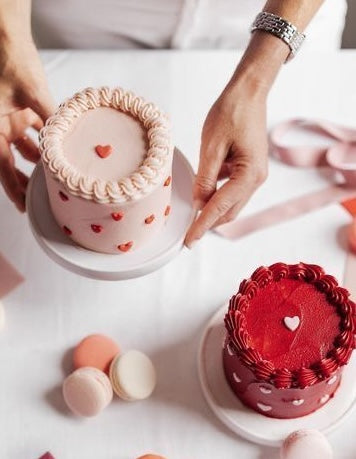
[(340, 157)]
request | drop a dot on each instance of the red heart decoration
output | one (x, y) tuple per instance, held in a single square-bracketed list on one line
[(96, 228), (149, 219), (63, 196), (125, 247), (103, 150), (117, 216)]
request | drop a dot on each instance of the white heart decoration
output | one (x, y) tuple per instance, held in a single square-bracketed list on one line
[(264, 407), (265, 390), (298, 402), (332, 380), (292, 323), (324, 398), (236, 378)]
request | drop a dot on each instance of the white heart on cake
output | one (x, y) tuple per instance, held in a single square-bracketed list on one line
[(298, 402), (292, 323), (264, 407)]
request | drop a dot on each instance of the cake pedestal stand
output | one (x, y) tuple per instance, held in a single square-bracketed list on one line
[(105, 266), (248, 423)]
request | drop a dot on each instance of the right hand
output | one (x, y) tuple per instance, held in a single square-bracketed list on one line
[(25, 102)]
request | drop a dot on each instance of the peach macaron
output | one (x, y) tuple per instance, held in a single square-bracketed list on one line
[(95, 351), (151, 456)]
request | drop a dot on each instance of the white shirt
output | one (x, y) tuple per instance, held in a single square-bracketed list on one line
[(167, 23)]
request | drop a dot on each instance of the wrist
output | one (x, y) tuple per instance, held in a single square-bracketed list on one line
[(260, 64)]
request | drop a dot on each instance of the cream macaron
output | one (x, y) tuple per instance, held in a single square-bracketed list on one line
[(132, 375), (308, 443), (87, 391)]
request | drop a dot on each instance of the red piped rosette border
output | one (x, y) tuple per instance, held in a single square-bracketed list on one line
[(263, 369)]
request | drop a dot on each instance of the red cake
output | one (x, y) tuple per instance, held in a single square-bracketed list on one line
[(290, 331)]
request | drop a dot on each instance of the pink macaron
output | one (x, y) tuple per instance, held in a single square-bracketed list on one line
[(305, 444), (87, 391)]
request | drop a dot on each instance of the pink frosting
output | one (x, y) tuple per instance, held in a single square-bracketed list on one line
[(106, 126), (108, 165)]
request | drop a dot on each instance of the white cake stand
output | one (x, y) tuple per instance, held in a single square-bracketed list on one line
[(113, 267), (248, 423)]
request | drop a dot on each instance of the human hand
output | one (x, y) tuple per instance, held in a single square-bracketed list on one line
[(234, 145), (25, 102)]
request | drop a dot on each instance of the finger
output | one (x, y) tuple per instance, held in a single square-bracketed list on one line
[(22, 179), (231, 214), (28, 149), (41, 103), (233, 193), (15, 124), (211, 158), (225, 171), (8, 176)]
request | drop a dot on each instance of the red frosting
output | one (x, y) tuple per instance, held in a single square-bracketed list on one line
[(268, 333), (291, 327)]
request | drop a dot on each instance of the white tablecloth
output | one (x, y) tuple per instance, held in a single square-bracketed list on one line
[(163, 313)]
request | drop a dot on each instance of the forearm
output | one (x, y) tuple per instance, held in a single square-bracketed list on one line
[(266, 53), (15, 20)]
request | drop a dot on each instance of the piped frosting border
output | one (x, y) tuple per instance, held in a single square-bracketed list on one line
[(140, 182), (263, 369)]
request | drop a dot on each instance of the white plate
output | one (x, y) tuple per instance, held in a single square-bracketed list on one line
[(113, 267), (248, 423)]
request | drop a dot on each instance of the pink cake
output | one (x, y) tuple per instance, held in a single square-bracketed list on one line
[(290, 331), (107, 157)]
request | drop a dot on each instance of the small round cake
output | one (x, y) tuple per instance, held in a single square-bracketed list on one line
[(107, 157), (290, 331)]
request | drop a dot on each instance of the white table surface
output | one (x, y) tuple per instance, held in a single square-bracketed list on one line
[(164, 312)]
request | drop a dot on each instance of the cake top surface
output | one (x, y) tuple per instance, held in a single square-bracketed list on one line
[(292, 324), (107, 145)]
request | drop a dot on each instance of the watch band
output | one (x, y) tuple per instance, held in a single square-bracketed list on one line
[(281, 28)]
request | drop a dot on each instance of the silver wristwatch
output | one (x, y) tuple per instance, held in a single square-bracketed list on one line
[(280, 28)]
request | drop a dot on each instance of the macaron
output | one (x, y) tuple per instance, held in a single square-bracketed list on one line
[(151, 456), (95, 351), (133, 376), (352, 236), (2, 316), (308, 443), (87, 391)]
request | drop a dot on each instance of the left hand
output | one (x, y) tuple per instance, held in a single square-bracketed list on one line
[(234, 145)]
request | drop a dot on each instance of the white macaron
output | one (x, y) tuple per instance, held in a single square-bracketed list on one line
[(303, 444), (133, 376)]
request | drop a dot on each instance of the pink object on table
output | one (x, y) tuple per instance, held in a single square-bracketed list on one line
[(96, 351), (107, 158), (47, 455), (305, 444), (352, 236), (87, 391), (10, 278)]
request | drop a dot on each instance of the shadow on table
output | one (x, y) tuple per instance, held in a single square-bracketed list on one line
[(54, 396), (179, 386)]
